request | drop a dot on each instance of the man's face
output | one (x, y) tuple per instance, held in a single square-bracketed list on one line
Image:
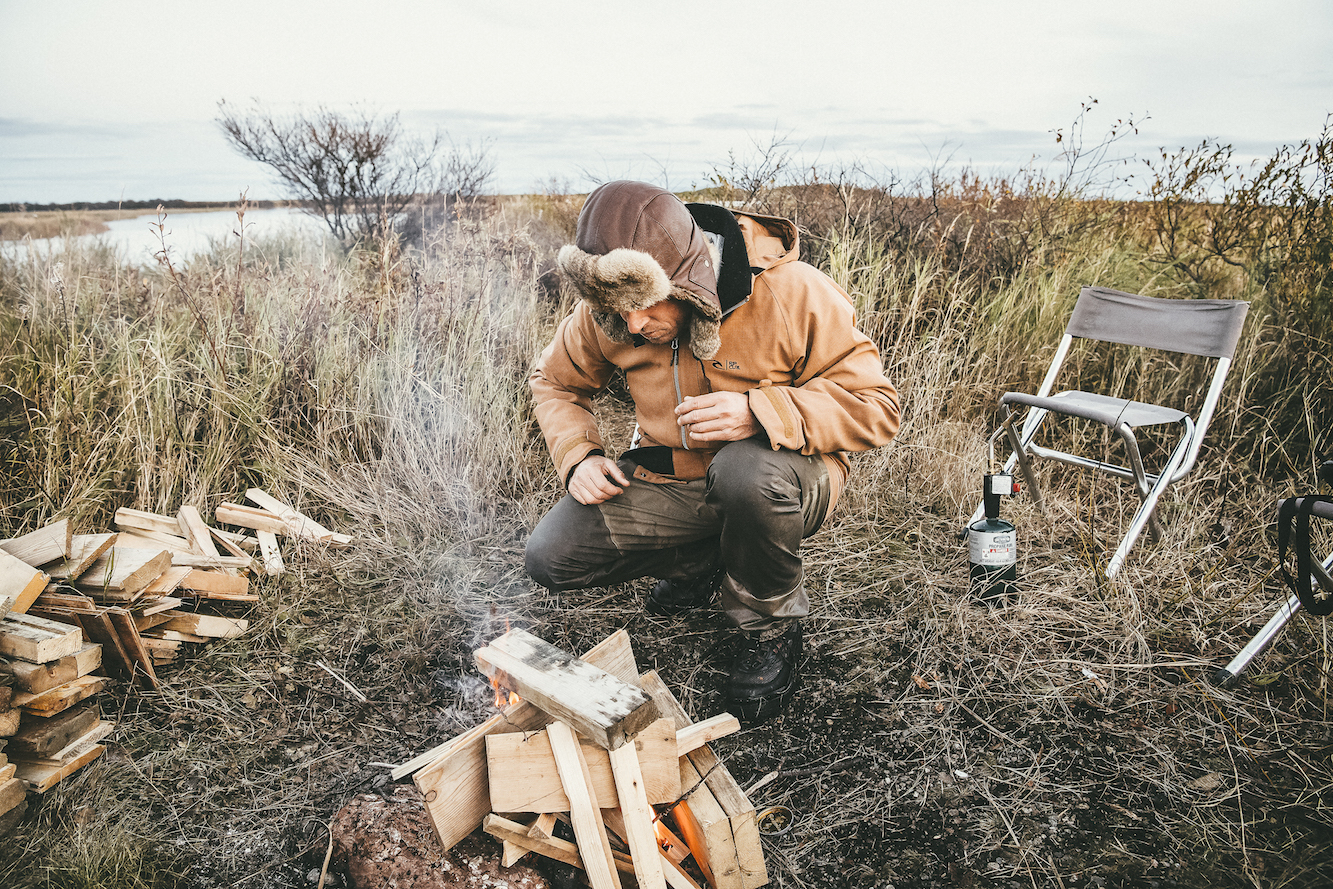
[(660, 323)]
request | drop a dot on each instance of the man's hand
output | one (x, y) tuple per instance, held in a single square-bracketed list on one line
[(596, 480), (718, 416)]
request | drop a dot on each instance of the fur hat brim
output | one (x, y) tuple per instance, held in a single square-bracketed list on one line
[(628, 280)]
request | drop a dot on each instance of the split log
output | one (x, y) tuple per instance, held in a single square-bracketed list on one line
[(37, 640), (20, 584), (523, 776), (84, 551), (452, 776), (46, 544), (593, 702)]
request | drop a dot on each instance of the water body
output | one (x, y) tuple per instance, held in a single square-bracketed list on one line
[(186, 234)]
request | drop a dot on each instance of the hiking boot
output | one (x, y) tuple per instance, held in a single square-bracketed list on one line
[(764, 676), (673, 597)]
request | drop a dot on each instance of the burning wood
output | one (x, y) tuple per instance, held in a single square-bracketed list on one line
[(629, 777)]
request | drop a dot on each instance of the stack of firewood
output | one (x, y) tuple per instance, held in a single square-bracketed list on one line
[(611, 753), (120, 604)]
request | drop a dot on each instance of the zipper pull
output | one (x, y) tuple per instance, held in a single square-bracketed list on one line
[(675, 351)]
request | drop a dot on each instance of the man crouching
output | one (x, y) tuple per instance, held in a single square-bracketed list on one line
[(749, 380)]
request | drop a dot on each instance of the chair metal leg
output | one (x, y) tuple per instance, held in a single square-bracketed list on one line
[(1276, 624), (1143, 516), (1019, 444)]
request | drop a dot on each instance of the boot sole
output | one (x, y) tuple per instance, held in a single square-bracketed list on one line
[(756, 711)]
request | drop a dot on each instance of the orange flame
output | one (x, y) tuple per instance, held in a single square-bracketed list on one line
[(503, 696)]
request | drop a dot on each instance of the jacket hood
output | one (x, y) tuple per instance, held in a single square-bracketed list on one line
[(637, 245)]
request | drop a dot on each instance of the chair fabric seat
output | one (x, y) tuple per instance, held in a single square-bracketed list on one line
[(1104, 409)]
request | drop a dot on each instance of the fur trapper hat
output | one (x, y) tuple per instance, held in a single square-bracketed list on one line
[(638, 245)]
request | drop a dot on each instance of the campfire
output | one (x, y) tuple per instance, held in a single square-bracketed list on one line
[(610, 752)]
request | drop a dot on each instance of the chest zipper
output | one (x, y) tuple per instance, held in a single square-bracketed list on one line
[(675, 376)]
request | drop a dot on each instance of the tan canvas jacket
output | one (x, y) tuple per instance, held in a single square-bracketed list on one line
[(815, 382)]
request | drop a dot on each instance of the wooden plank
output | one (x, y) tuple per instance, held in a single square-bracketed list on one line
[(46, 544), (214, 626), (20, 583), (524, 778), (124, 570), (584, 812), (169, 582), (6, 772), (249, 517), (37, 678), (84, 551), (12, 793), (68, 601), (213, 584), (302, 525), (62, 697), (138, 520), (452, 776), (98, 628), (99, 732), (614, 654), (41, 777), (692, 737), (232, 547), (9, 721), (672, 849), (37, 640), (39, 737), (268, 546), (541, 829), (175, 544), (123, 623), (716, 820), (590, 700), (638, 816), (559, 850)]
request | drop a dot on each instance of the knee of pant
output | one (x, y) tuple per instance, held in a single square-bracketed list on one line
[(747, 479), (539, 558)]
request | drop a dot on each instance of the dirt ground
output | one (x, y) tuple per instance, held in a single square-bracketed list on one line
[(1070, 737)]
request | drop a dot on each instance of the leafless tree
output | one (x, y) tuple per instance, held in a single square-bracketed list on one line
[(357, 170)]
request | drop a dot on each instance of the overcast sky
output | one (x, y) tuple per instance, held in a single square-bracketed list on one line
[(116, 99)]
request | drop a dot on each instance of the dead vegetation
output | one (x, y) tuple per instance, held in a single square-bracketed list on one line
[(1068, 739)]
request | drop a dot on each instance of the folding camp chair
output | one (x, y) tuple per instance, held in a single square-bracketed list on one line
[(1204, 327), (1311, 585)]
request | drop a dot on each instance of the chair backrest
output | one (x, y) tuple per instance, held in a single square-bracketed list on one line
[(1209, 327)]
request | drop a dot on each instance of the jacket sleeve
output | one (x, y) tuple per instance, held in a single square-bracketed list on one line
[(569, 372), (838, 398)]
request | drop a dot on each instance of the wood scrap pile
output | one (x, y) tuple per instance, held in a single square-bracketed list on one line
[(591, 743), (121, 604)]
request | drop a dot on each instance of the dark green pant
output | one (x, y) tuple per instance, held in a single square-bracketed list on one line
[(750, 513)]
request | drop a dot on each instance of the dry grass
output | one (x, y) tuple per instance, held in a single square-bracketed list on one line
[(1067, 739)]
